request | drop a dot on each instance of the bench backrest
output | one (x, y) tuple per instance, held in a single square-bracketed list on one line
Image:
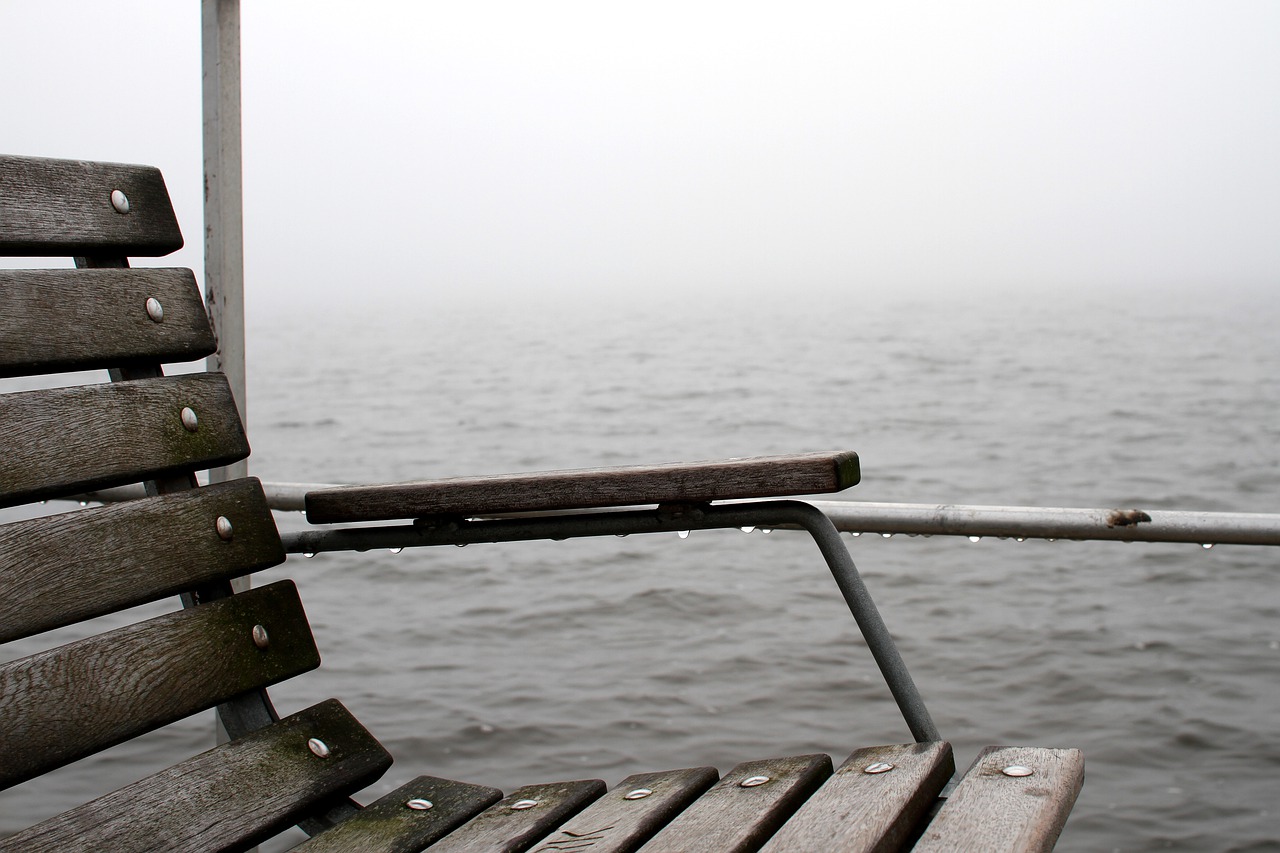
[(61, 704)]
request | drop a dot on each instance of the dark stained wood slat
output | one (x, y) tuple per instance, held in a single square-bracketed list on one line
[(63, 208), (60, 569), (80, 319), (391, 825), (758, 477), (861, 810), (65, 703), (68, 440), (992, 811), (734, 817), (627, 816), (508, 827), (225, 799)]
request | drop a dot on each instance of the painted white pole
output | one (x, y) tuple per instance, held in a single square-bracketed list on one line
[(223, 201)]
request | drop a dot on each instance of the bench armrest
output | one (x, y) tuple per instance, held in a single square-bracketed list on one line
[(733, 479)]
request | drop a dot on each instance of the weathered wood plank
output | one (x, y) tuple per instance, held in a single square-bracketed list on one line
[(63, 208), (511, 827), (993, 811), (68, 440), (65, 703), (875, 801), (228, 798), (740, 813), (631, 813), (406, 820), (81, 319), (60, 569), (765, 476)]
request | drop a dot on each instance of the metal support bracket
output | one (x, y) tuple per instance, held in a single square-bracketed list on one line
[(456, 530)]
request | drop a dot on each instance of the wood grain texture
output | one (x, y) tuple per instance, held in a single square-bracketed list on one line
[(60, 569), (859, 811), (736, 819), (228, 798), (758, 477), (62, 208), (390, 826), (503, 829), (81, 319), (68, 702), (618, 824), (992, 812), (69, 440)]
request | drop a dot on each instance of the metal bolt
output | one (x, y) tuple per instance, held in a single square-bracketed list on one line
[(260, 638), (1017, 770), (419, 805), (319, 747), (637, 794), (223, 526), (189, 419), (523, 804), (878, 767), (155, 310), (119, 201), (754, 781)]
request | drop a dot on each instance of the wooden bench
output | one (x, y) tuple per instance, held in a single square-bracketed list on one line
[(222, 650)]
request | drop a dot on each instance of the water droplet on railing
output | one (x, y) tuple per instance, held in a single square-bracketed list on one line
[(975, 538), (746, 529), (683, 534), (1020, 539), (308, 554), (84, 503), (1207, 545), (460, 544), (766, 529), (394, 550), (887, 535)]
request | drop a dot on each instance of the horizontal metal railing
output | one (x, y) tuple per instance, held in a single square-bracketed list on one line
[(1009, 522)]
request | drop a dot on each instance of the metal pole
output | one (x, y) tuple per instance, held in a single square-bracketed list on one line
[(223, 202)]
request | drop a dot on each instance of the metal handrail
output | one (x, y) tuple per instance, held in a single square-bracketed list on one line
[(1006, 522)]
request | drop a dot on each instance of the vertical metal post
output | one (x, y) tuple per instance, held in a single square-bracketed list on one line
[(223, 201)]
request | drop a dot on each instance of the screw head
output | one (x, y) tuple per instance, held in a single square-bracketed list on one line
[(753, 782), (318, 747), (1017, 770), (878, 767), (637, 794), (523, 804), (119, 201), (189, 419), (224, 528), (419, 805), (155, 310), (260, 637)]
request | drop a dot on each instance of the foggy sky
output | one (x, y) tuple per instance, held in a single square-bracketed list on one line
[(499, 146)]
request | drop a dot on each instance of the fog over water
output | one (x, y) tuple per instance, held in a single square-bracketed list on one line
[(500, 146)]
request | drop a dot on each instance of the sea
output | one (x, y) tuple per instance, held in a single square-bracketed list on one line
[(599, 658)]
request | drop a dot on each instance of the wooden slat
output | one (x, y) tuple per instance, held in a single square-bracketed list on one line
[(62, 208), (766, 476), (735, 819), (993, 812), (81, 319), (224, 799), (626, 817), (67, 440), (856, 810), (65, 703), (60, 569), (391, 826), (504, 828)]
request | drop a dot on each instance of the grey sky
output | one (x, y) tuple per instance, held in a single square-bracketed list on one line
[(488, 146)]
